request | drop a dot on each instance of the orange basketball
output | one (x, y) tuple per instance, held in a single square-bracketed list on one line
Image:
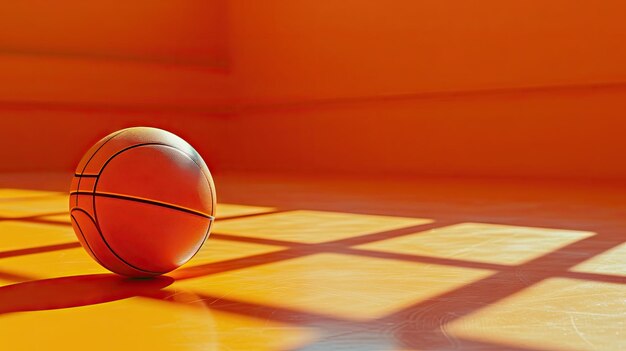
[(142, 202)]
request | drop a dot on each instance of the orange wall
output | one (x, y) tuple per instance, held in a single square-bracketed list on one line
[(73, 71), (302, 50), (114, 53), (515, 88), (505, 88), (39, 138), (556, 133), (188, 31)]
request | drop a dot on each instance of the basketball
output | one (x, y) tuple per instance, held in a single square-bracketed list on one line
[(142, 202)]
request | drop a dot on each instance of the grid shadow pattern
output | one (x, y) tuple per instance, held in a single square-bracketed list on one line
[(420, 325)]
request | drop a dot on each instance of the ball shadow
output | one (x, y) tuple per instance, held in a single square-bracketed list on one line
[(75, 291)]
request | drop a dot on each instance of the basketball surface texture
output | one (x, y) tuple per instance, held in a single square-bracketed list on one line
[(142, 202)]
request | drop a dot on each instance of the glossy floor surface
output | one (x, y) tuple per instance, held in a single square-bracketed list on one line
[(313, 264)]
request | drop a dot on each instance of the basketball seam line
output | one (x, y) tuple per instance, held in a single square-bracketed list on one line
[(209, 182), (95, 212), (213, 200), (144, 200), (206, 236), (91, 157), (108, 246), (85, 238), (97, 176)]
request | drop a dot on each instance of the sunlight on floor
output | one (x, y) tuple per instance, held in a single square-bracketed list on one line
[(612, 261), (313, 226), (274, 278), (561, 314), (482, 242)]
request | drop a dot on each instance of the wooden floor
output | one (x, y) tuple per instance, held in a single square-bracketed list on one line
[(311, 264)]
